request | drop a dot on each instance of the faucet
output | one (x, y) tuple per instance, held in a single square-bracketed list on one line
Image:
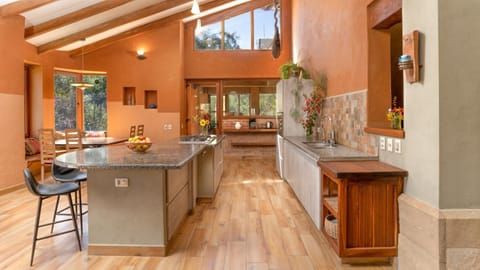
[(330, 136)]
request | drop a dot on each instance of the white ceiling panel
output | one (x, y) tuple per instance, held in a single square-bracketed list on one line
[(54, 10), (125, 27), (91, 21)]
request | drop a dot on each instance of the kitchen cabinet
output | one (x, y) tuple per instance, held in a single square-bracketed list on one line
[(280, 165), (210, 169), (361, 197), (303, 175)]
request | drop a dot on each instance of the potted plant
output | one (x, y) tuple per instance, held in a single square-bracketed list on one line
[(291, 69)]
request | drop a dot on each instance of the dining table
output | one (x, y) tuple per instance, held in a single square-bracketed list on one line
[(94, 141)]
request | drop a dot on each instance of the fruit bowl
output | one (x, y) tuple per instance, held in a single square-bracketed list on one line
[(138, 146)]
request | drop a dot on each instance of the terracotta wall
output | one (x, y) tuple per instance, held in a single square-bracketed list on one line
[(12, 154), (238, 64), (161, 71), (330, 37)]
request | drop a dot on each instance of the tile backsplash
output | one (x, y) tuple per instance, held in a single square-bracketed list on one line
[(349, 117)]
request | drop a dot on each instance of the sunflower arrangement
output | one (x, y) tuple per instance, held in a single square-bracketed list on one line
[(203, 119)]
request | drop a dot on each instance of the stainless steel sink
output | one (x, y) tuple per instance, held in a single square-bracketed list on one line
[(196, 139), (318, 145)]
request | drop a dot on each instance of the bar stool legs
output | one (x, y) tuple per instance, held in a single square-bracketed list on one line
[(78, 204), (38, 225)]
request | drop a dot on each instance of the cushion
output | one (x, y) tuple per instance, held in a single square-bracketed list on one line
[(32, 146)]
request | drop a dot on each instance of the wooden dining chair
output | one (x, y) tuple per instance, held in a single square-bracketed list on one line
[(132, 131), (47, 149), (73, 139), (140, 130)]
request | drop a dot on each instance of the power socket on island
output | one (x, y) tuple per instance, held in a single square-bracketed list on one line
[(121, 182)]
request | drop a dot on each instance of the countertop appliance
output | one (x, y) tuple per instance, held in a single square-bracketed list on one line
[(269, 124)]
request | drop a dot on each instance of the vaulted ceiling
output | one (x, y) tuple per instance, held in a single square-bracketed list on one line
[(69, 25)]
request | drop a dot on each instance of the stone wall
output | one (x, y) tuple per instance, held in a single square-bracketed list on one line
[(349, 117)]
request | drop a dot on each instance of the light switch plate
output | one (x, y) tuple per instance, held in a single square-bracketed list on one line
[(390, 145), (121, 182), (397, 146), (382, 143)]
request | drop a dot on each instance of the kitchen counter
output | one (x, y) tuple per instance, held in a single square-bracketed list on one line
[(339, 152), (169, 155)]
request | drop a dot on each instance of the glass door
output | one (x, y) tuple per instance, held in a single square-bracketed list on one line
[(202, 104)]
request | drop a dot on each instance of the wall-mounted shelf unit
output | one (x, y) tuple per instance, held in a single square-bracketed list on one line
[(151, 99), (129, 95)]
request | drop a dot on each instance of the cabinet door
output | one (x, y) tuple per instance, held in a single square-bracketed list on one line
[(218, 160), (206, 172), (303, 175)]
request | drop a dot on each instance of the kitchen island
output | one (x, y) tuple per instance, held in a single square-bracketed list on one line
[(136, 200)]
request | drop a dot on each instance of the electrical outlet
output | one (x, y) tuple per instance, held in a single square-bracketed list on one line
[(389, 144), (382, 143), (121, 182), (397, 146)]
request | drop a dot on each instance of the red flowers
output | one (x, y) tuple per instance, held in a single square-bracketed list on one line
[(312, 108)]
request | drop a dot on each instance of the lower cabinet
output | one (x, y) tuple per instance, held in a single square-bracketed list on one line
[(303, 175), (210, 170), (178, 199), (360, 207)]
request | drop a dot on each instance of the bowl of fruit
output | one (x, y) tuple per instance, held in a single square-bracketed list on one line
[(138, 144)]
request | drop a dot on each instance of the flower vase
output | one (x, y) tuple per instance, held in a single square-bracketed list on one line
[(308, 131), (396, 122), (204, 131)]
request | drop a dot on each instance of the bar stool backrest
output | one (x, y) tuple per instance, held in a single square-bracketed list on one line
[(30, 181)]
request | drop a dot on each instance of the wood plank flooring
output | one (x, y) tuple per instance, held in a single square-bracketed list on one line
[(255, 222)]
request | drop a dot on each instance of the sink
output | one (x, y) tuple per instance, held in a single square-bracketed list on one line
[(318, 145), (196, 139)]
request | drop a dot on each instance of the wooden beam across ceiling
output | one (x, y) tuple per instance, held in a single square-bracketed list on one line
[(18, 7), (139, 14), (146, 27), (69, 18)]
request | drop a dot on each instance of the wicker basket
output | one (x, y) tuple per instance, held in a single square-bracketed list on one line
[(331, 226)]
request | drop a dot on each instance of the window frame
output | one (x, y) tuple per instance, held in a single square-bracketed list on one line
[(252, 31)]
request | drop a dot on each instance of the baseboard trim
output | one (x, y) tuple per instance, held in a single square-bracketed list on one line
[(107, 250), (11, 189)]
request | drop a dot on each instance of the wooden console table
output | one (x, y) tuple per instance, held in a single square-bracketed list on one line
[(362, 198)]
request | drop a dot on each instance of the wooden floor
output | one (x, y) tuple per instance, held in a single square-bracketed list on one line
[(254, 223)]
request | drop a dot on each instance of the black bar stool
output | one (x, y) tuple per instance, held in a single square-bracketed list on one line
[(70, 175), (44, 191)]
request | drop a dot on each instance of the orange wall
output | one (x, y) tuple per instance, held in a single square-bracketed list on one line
[(237, 64), (12, 149), (160, 71), (330, 37)]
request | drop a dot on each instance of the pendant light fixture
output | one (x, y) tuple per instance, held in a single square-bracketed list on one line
[(82, 84), (195, 7), (198, 28)]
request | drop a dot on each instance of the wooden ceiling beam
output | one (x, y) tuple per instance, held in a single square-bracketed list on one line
[(67, 19), (19, 7), (146, 27), (165, 5)]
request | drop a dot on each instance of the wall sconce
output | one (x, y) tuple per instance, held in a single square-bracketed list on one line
[(408, 62), (140, 55)]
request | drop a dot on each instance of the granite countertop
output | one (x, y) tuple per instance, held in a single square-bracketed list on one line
[(168, 155), (339, 152)]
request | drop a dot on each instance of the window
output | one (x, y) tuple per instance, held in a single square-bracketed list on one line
[(65, 102), (264, 29), (75, 108), (95, 103), (210, 38), (267, 103), (237, 33)]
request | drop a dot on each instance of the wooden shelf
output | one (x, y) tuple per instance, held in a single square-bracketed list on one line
[(250, 130), (331, 203), (397, 133), (129, 96)]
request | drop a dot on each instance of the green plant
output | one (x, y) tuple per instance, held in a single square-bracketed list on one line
[(291, 69)]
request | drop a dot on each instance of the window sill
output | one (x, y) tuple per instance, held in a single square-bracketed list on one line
[(398, 133)]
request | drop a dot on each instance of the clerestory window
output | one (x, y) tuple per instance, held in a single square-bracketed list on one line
[(253, 30)]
